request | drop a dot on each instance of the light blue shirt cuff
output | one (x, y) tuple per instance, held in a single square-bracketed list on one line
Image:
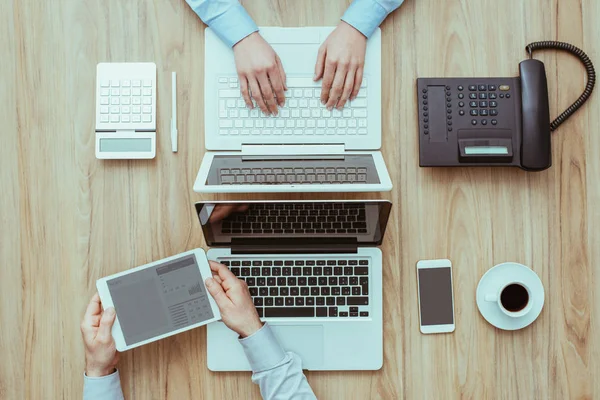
[(231, 24), (103, 387), (365, 16), (262, 349)]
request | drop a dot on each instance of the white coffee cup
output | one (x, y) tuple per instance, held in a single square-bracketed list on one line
[(516, 302)]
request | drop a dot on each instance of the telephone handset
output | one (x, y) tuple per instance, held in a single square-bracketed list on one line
[(493, 121)]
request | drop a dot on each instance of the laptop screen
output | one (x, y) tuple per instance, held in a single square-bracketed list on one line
[(363, 221)]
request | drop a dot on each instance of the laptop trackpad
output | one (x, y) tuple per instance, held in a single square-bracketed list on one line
[(304, 340)]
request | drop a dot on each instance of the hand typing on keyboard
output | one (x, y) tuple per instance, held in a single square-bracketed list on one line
[(340, 63), (261, 74), (234, 301)]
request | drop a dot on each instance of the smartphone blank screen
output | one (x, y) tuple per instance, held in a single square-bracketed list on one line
[(435, 291)]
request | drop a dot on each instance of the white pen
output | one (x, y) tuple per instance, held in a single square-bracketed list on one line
[(174, 112)]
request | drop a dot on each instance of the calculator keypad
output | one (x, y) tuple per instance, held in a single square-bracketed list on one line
[(126, 101)]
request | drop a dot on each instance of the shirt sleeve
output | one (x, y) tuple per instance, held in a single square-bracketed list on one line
[(102, 388), (278, 374), (227, 18), (367, 15)]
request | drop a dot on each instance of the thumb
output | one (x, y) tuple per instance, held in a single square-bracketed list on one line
[(216, 291), (106, 323), (320, 65)]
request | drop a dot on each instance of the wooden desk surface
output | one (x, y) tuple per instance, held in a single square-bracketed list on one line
[(68, 219)]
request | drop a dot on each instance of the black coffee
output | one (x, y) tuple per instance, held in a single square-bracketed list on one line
[(514, 297)]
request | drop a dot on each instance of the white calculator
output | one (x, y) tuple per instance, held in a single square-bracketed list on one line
[(125, 110)]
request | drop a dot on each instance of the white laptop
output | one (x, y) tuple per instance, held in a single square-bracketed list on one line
[(314, 272), (306, 148)]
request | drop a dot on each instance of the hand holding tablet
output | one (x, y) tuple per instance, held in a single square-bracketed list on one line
[(101, 355), (159, 299), (234, 301)]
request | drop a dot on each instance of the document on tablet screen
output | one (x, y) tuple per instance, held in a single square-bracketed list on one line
[(160, 299)]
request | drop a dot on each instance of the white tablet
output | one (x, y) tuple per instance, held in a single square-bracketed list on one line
[(159, 299)]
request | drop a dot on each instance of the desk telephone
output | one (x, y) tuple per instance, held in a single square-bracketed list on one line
[(493, 121)]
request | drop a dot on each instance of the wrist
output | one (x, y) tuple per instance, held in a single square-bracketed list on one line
[(96, 372), (250, 36), (251, 329), (345, 25)]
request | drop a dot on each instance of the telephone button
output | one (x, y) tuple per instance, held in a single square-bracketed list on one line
[(473, 122), (474, 113), (461, 96), (484, 122), (501, 95), (504, 88), (493, 113), (473, 104), (460, 87), (461, 103), (472, 95), (494, 122), (461, 112), (508, 95), (492, 95), (483, 95), (483, 113), (491, 88), (482, 87), (483, 104), (493, 104), (472, 88)]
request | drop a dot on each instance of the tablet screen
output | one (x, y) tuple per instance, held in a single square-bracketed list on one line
[(160, 299)]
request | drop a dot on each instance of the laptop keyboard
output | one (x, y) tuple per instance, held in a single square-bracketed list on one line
[(302, 114), (283, 288), (298, 218), (293, 175)]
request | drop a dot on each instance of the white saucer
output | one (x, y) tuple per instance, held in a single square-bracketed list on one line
[(493, 280)]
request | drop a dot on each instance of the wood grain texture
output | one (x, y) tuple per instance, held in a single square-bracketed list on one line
[(67, 219)]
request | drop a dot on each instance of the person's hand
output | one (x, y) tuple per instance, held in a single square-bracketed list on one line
[(260, 72), (101, 354), (234, 301), (222, 211), (340, 63)]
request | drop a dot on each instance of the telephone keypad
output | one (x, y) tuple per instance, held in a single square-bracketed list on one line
[(479, 104)]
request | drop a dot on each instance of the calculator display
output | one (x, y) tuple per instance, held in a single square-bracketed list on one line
[(125, 144)]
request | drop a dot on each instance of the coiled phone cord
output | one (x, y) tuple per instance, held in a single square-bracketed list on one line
[(589, 67)]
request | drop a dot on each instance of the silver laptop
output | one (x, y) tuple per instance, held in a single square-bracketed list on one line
[(314, 272), (306, 148)]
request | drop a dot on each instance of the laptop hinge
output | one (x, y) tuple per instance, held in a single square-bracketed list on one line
[(292, 151), (316, 245)]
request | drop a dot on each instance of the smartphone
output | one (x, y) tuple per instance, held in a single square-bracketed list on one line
[(436, 297)]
